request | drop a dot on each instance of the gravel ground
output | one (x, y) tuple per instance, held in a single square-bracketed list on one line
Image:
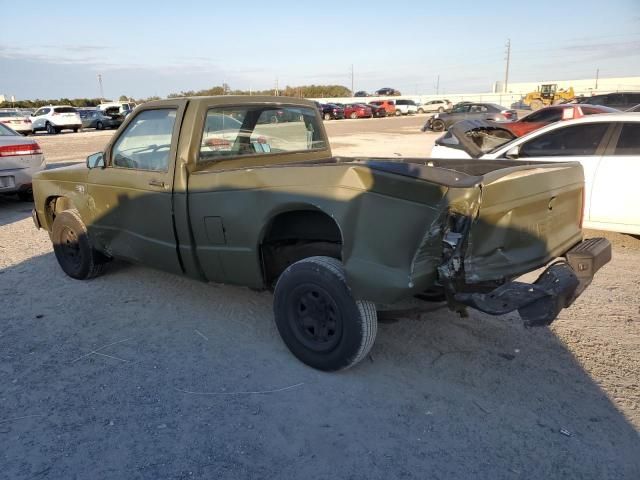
[(140, 374)]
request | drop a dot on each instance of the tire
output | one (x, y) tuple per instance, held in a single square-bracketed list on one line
[(327, 116), (337, 331), (75, 130), (99, 126), (398, 113), (441, 110), (25, 195), (438, 125), (51, 130), (353, 116), (73, 249), (420, 110), (536, 105)]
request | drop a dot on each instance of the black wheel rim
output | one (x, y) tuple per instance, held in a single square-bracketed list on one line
[(70, 248), (314, 318)]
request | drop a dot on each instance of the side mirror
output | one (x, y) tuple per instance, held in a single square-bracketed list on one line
[(95, 160), (513, 153)]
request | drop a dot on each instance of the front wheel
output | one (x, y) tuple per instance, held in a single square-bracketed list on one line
[(327, 116), (437, 125), (51, 130), (398, 113), (317, 317), (441, 110), (353, 116), (99, 126), (73, 248)]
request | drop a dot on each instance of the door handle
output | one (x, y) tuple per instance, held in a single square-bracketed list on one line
[(156, 183)]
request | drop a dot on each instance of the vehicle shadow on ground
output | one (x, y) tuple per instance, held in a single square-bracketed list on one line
[(143, 374)]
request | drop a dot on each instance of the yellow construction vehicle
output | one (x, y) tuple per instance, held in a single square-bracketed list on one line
[(548, 94)]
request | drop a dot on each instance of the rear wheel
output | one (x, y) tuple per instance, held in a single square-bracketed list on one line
[(441, 109), (73, 248), (398, 113), (420, 110), (317, 317), (437, 125), (353, 116), (99, 126)]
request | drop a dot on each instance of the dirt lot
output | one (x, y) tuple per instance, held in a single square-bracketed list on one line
[(140, 374)]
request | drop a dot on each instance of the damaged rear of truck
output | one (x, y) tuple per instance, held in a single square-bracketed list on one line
[(497, 221)]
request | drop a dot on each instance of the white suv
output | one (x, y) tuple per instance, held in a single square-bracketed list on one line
[(435, 106), (55, 118), (406, 107)]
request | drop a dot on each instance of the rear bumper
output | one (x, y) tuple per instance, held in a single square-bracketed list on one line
[(19, 179), (559, 285)]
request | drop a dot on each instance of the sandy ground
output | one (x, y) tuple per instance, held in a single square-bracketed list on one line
[(140, 374)]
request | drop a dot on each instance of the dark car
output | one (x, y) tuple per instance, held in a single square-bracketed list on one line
[(331, 111), (361, 93), (377, 110), (387, 91), (99, 120), (470, 111), (618, 100)]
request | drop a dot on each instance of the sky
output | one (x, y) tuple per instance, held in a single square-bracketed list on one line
[(143, 48)]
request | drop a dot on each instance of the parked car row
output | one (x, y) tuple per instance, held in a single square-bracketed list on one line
[(383, 92), (56, 118), (373, 109)]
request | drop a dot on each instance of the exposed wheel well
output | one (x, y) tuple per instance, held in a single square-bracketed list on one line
[(55, 205), (298, 234)]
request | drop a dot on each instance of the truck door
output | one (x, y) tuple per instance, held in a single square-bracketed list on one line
[(132, 193), (615, 195)]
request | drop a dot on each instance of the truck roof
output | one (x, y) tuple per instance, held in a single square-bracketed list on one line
[(238, 100)]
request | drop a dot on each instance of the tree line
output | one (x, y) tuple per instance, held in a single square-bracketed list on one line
[(304, 91)]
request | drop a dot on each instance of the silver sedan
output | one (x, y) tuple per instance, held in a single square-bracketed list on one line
[(20, 159)]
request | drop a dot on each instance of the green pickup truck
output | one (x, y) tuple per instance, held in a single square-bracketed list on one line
[(245, 191)]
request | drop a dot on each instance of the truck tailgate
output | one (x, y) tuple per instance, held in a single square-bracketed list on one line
[(525, 219)]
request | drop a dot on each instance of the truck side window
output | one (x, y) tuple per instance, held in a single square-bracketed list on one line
[(574, 140), (146, 142), (258, 130)]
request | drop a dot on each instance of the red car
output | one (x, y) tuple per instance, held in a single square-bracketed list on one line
[(552, 114), (357, 110)]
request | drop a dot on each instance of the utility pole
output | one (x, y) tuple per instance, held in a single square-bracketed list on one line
[(276, 92), (100, 85), (597, 76), (438, 85), (508, 59), (352, 92)]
